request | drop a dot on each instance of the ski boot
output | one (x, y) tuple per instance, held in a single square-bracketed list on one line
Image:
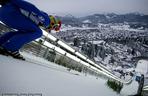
[(15, 54)]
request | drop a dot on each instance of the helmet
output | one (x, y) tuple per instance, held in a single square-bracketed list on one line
[(55, 23)]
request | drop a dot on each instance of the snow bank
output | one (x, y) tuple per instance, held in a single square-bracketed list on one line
[(142, 67)]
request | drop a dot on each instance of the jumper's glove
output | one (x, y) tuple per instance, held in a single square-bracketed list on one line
[(55, 24)]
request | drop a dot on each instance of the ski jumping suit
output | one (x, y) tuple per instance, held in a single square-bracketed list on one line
[(24, 17)]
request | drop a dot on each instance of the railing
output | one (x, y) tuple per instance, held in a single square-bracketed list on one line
[(40, 50), (79, 57)]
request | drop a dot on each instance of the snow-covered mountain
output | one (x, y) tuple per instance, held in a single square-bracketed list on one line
[(135, 20)]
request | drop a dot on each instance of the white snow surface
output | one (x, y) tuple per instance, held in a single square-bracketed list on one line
[(132, 89), (87, 21), (142, 67), (44, 77)]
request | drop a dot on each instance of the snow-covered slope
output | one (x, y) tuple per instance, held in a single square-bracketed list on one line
[(18, 76)]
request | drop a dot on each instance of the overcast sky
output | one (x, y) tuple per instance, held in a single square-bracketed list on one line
[(88, 7)]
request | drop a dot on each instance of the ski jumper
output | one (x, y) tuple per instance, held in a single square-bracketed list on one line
[(24, 17)]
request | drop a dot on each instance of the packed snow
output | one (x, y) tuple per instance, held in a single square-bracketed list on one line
[(36, 75), (25, 77)]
